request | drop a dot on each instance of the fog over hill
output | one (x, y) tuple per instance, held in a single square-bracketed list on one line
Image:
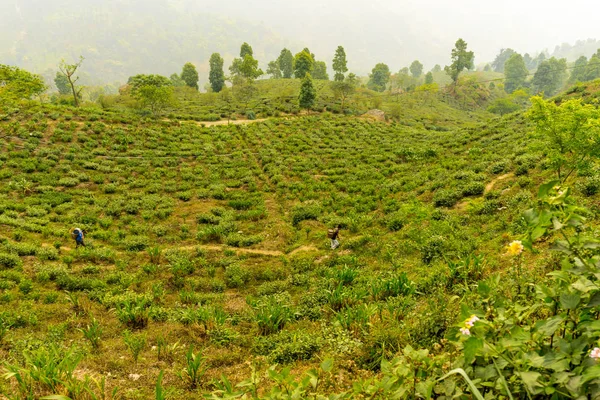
[(119, 38)]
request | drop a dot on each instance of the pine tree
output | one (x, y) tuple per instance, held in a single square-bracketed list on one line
[(308, 94), (340, 66), (216, 76), (286, 63)]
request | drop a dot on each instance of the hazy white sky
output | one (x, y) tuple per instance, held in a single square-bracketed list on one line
[(525, 25)]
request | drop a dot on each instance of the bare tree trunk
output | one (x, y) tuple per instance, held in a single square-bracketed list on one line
[(74, 92)]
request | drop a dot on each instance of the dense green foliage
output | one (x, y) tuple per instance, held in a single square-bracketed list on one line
[(216, 76), (17, 84), (207, 262), (189, 75), (379, 77)]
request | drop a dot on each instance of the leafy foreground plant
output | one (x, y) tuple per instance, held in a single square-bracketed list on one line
[(544, 343), (48, 372)]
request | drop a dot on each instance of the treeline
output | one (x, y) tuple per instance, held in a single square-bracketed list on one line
[(541, 74), (524, 75)]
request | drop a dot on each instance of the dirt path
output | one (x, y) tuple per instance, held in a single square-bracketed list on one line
[(303, 248), (490, 185), (230, 122)]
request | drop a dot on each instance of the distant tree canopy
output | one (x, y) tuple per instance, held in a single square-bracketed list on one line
[(176, 80), (189, 75), (246, 49), (503, 105), (216, 76), (515, 72), (379, 77), (530, 62), (344, 89), (416, 69), (153, 91), (436, 68), (578, 73), (18, 84), (286, 63), (550, 76), (501, 59), (320, 70), (308, 94), (592, 70), (428, 78), (340, 64), (303, 63), (62, 83), (246, 66), (461, 59), (274, 70)]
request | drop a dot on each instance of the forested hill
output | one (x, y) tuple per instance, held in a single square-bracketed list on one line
[(121, 38)]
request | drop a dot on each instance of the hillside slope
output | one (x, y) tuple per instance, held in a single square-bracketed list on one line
[(215, 237)]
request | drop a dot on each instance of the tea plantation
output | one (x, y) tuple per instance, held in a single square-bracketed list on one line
[(207, 272)]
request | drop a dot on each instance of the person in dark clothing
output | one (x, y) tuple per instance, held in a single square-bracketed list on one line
[(334, 234), (78, 236)]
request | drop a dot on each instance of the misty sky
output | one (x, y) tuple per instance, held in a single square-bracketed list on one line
[(525, 25)]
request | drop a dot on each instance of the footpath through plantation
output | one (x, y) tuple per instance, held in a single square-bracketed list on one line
[(468, 264)]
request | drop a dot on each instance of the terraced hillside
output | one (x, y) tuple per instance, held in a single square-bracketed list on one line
[(206, 251)]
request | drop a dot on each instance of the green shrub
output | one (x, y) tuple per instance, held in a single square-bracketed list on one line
[(136, 243), (236, 276), (473, 189), (395, 222), (446, 198), (10, 260), (305, 212)]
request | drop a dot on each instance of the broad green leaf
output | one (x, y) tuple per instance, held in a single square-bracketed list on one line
[(425, 388), (584, 285), (530, 378), (545, 188), (557, 224), (471, 346), (538, 232), (327, 365), (569, 301), (549, 326), (595, 300)]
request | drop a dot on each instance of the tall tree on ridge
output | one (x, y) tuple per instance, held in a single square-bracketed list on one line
[(189, 75), (340, 64), (216, 76), (461, 59), (286, 63)]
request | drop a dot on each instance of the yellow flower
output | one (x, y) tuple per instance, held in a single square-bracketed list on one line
[(514, 248)]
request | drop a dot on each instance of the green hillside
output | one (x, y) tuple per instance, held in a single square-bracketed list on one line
[(206, 255)]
